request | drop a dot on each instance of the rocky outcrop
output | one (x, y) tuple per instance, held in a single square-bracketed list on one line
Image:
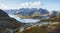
[(55, 29), (7, 22)]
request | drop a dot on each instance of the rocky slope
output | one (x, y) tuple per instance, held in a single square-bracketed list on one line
[(7, 22)]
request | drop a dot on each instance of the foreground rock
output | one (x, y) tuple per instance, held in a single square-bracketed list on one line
[(55, 28)]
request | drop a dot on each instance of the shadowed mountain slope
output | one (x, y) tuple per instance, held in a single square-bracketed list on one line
[(7, 22)]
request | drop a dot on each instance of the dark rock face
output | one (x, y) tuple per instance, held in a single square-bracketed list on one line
[(55, 30), (3, 14), (7, 22)]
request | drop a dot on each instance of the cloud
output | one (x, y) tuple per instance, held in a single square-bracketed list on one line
[(3, 6), (30, 4), (22, 5)]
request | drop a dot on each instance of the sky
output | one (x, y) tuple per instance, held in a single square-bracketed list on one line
[(16, 4)]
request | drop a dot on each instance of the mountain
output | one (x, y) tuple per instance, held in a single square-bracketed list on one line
[(27, 11), (3, 14), (40, 13), (54, 13), (30, 12), (43, 11), (12, 11), (7, 22)]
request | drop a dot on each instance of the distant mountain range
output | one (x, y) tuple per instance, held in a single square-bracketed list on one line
[(28, 12), (10, 11), (54, 13)]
